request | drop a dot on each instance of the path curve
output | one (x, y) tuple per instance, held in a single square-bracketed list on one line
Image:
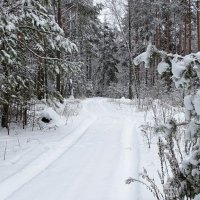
[(92, 163)]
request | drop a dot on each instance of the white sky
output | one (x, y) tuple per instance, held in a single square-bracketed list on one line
[(105, 12), (108, 14)]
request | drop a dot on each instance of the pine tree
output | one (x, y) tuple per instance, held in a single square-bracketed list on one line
[(107, 71)]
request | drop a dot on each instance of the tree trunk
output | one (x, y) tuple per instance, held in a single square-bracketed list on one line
[(40, 82), (24, 117), (4, 118), (198, 27), (5, 106), (185, 37), (189, 28), (130, 51), (168, 32), (180, 40), (59, 21), (146, 77)]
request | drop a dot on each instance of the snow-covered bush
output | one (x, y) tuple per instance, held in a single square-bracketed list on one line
[(183, 181)]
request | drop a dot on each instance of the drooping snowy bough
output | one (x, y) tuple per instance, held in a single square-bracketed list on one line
[(184, 182), (30, 41)]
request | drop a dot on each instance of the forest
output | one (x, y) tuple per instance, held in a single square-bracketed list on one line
[(145, 52)]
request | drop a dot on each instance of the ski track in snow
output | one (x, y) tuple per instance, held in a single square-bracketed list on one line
[(91, 163)]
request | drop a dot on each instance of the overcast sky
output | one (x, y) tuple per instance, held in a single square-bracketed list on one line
[(107, 13)]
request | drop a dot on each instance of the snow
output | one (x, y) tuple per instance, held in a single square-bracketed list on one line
[(53, 116), (162, 67), (41, 163), (188, 102), (196, 102), (89, 159), (178, 67), (195, 172), (191, 130), (197, 69), (10, 26), (141, 58), (145, 56), (39, 47), (197, 197), (188, 59), (198, 56), (124, 100)]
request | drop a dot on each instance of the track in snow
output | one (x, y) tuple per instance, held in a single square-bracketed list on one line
[(92, 163)]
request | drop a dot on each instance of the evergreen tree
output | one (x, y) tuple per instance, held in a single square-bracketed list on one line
[(29, 38), (107, 70)]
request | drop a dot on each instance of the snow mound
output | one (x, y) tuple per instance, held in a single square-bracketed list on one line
[(124, 100), (198, 56), (162, 67), (196, 102), (178, 67), (188, 59), (188, 102), (197, 197), (53, 116), (191, 131), (197, 69)]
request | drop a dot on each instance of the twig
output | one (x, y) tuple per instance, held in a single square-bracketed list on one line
[(18, 142), (5, 150)]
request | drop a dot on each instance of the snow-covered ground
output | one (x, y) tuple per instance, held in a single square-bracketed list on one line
[(90, 158)]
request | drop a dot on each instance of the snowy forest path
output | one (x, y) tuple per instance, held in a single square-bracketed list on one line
[(92, 163)]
